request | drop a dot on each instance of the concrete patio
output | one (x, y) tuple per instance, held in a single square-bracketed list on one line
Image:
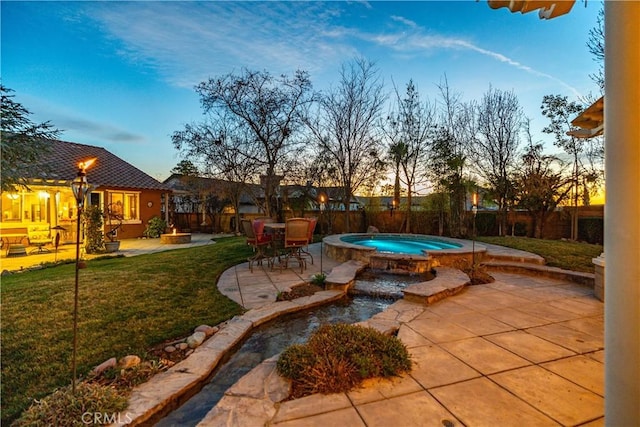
[(520, 351)]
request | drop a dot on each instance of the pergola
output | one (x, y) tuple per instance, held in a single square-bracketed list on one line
[(622, 208)]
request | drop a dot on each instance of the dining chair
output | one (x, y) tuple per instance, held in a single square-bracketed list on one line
[(296, 237), (256, 238), (312, 226)]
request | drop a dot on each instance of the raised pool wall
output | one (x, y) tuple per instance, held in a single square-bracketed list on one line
[(342, 251)]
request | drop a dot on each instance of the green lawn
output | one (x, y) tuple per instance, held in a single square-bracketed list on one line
[(126, 305), (557, 253)]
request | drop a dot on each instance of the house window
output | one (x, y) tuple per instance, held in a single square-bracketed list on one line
[(10, 207), (125, 204)]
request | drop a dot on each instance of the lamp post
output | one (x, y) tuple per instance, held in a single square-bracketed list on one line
[(474, 209), (322, 206), (80, 188)]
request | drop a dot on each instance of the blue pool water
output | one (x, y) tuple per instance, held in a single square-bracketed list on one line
[(398, 244)]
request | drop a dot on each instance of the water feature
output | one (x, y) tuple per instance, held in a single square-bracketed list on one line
[(385, 285), (266, 341)]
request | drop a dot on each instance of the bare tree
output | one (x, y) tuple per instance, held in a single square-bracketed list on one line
[(498, 124), (595, 44), (269, 109), (221, 149), (409, 129), (345, 127)]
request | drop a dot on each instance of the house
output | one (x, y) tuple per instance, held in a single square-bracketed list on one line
[(48, 201)]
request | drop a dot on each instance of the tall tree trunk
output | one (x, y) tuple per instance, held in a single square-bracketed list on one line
[(408, 224)]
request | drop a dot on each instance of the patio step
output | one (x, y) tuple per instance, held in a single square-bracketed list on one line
[(342, 276), (581, 278), (513, 256), (448, 281)]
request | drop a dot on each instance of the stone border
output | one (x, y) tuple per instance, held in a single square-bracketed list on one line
[(165, 391), (175, 239), (259, 397)]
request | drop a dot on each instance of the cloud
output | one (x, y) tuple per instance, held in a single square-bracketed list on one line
[(419, 43), (96, 130), (405, 21), (69, 121), (187, 42)]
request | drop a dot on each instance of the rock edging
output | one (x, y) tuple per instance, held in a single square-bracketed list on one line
[(167, 390)]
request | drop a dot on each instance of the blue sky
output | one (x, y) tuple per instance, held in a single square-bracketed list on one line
[(120, 75)]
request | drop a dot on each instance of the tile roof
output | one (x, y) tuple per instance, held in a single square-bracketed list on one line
[(109, 170)]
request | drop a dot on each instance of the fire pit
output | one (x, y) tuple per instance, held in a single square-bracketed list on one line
[(175, 238)]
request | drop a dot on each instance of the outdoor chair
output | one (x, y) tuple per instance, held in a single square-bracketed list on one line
[(312, 226), (256, 238), (296, 237)]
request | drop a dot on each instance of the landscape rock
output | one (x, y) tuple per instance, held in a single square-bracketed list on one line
[(196, 339), (208, 330), (129, 361), (109, 363), (371, 230), (182, 346), (170, 349)]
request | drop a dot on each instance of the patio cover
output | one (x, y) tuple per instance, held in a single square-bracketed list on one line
[(546, 9), (590, 121)]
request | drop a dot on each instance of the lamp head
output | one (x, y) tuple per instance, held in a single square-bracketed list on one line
[(80, 186)]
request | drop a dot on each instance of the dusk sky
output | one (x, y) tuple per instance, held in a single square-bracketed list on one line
[(121, 75)]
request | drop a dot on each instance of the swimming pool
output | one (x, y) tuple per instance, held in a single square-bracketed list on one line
[(396, 252), (398, 244)]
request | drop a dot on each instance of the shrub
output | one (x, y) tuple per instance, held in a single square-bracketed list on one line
[(338, 357), (591, 230), (318, 279), (486, 224), (94, 239), (63, 408), (155, 227)]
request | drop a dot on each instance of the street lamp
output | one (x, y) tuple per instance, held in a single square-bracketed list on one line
[(80, 188)]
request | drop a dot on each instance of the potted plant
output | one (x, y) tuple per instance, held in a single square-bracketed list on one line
[(114, 219)]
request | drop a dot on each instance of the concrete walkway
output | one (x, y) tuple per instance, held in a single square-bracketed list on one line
[(128, 247)]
